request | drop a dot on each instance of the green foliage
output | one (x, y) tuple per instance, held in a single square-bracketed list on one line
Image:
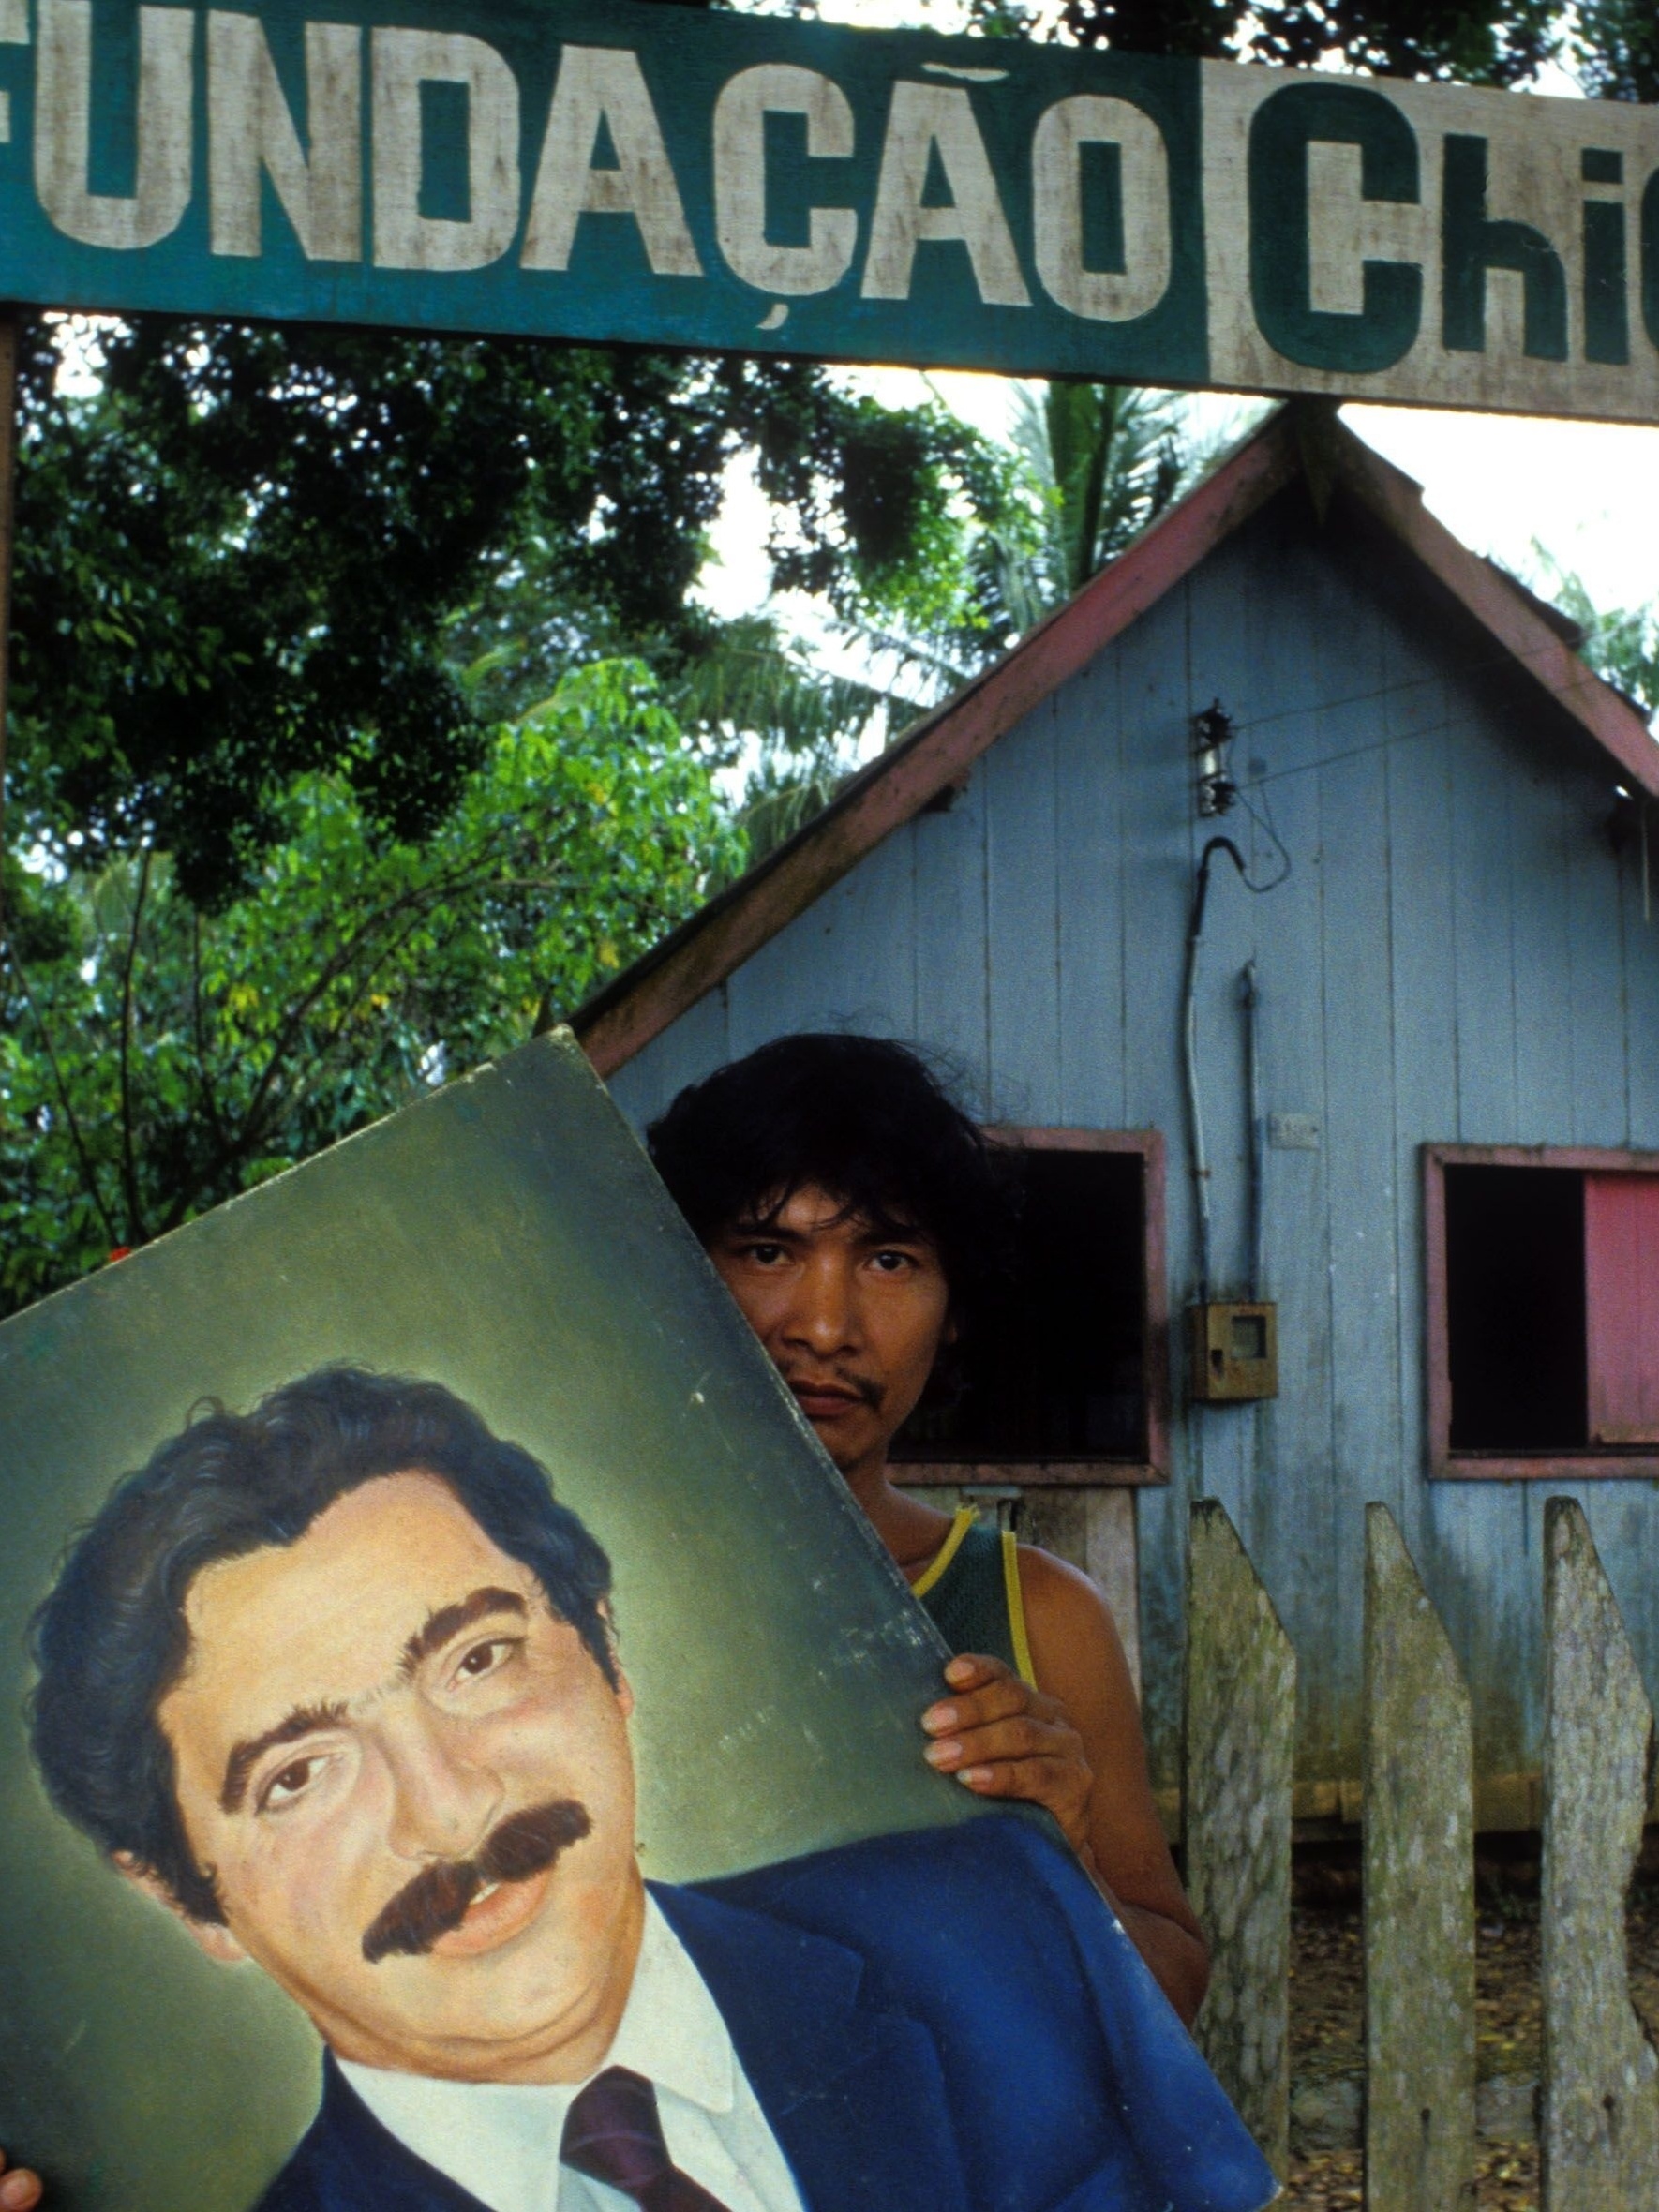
[(332, 755), (155, 1059), (1101, 463), (250, 553), (1475, 41), (1613, 44), (1616, 48), (1622, 643), (858, 495), (1087, 468)]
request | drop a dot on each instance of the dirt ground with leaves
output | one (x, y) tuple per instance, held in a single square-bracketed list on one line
[(1327, 2014)]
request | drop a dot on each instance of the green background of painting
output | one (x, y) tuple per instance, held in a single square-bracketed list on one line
[(508, 1237)]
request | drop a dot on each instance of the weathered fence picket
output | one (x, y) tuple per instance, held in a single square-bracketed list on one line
[(1239, 1744), (1600, 2130), (1598, 2125), (1418, 1844)]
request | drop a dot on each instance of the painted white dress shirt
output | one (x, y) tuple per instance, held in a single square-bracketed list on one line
[(500, 2140)]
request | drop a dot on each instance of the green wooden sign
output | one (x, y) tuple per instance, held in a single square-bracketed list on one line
[(604, 169)]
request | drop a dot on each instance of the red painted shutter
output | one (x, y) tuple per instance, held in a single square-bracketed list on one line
[(1622, 1299)]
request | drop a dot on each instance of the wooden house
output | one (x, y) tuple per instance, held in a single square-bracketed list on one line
[(1424, 1053)]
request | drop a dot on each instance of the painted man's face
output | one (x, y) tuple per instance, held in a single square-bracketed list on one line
[(411, 1783)]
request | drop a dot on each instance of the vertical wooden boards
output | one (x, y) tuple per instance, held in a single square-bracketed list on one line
[(950, 953), (1023, 947), (1419, 1894), (1595, 972), (1093, 837), (1482, 919), (1239, 1741), (1600, 2135), (1357, 976), (1153, 707), (1154, 703), (1290, 1510), (844, 964), (1422, 953), (1542, 827), (1220, 665), (687, 1049), (1642, 980)]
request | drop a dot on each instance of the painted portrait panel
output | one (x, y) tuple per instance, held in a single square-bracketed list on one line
[(400, 1560)]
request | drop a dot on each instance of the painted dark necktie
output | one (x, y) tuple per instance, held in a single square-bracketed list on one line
[(612, 2134)]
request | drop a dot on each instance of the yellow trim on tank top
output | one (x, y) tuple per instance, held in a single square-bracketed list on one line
[(964, 1521), (1011, 1580)]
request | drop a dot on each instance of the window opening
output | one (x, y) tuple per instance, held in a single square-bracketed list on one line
[(1516, 1308)]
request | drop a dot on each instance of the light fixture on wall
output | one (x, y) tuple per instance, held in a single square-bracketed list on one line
[(1212, 735)]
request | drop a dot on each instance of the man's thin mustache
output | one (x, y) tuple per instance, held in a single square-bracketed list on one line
[(860, 1385), (437, 1899)]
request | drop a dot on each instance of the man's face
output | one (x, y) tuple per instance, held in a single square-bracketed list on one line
[(412, 1785), (852, 1320)]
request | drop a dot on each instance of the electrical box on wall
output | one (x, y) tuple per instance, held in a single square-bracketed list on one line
[(1235, 1351)]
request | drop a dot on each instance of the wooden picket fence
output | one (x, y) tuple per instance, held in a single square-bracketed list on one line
[(1598, 2092)]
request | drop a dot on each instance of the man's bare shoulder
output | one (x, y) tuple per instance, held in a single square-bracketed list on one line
[(1056, 1594)]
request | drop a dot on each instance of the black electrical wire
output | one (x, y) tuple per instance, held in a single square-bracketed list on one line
[(1200, 1171), (1263, 821)]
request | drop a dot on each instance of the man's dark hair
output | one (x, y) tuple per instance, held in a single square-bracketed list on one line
[(112, 1639), (864, 1119)]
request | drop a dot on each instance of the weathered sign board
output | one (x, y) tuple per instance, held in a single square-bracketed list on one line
[(604, 170)]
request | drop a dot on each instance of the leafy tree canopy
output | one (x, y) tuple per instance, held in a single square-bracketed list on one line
[(1620, 643), (1476, 41), (155, 1059), (246, 554), (1616, 45)]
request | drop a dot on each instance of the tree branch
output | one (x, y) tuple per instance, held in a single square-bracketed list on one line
[(393, 917), (210, 1105), (89, 1181), (137, 1233)]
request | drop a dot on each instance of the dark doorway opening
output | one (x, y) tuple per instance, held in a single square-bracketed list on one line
[(1515, 1309), (1063, 1373)]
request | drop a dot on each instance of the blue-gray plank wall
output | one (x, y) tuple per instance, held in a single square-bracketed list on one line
[(1457, 955)]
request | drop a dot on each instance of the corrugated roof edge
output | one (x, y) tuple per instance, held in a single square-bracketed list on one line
[(1301, 439)]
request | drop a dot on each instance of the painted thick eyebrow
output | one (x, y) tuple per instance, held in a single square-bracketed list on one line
[(450, 1620), (305, 1720)]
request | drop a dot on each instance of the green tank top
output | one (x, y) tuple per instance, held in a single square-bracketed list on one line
[(971, 1592)]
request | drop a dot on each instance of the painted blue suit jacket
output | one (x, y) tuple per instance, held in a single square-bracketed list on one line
[(942, 2022)]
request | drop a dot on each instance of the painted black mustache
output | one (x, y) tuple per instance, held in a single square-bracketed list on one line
[(437, 1899)]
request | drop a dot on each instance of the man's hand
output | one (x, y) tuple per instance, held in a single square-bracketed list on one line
[(20, 2189), (1000, 1737)]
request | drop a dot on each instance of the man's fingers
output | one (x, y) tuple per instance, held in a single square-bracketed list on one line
[(998, 1700), (968, 1669), (1035, 1781), (1023, 1736), (20, 2189)]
